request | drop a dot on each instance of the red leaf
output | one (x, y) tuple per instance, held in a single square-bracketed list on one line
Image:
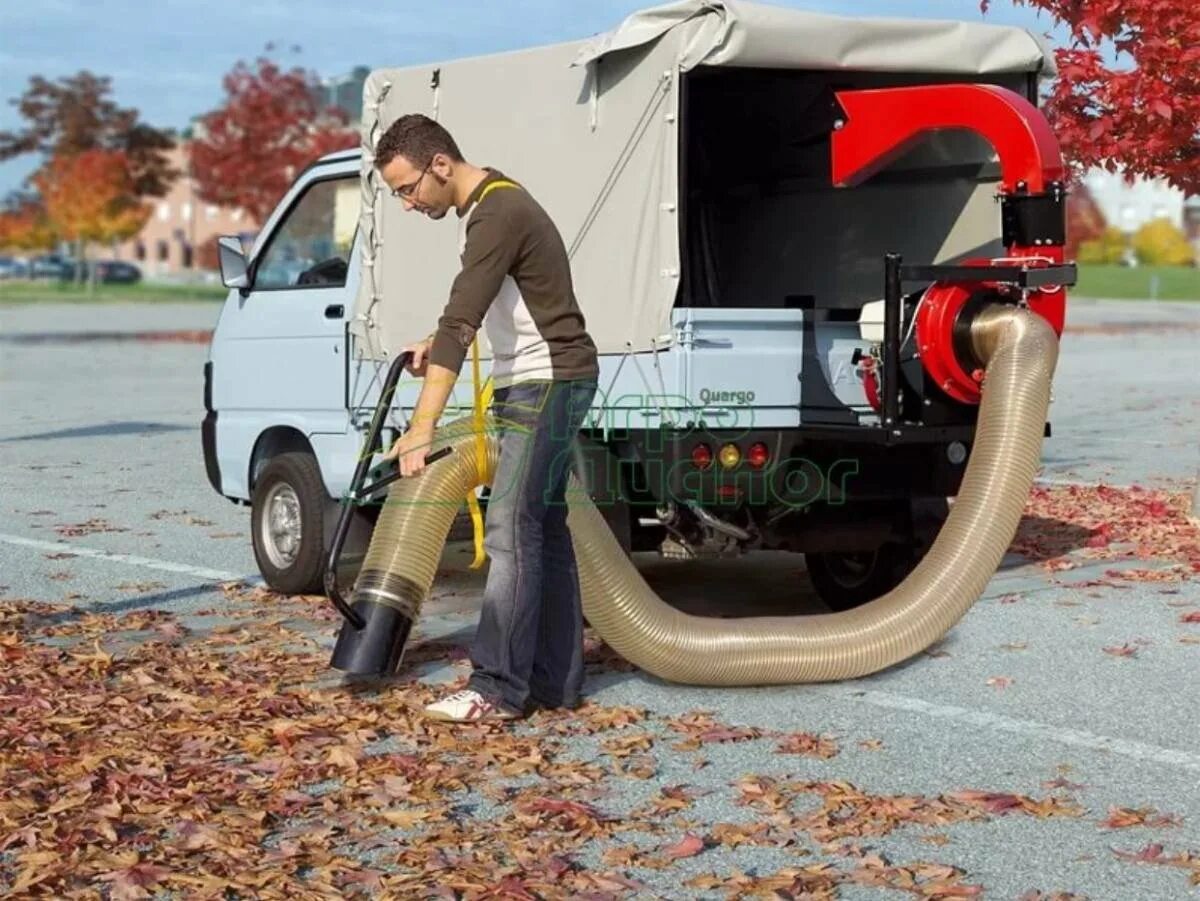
[(688, 846), (1101, 536), (1148, 854), (729, 734), (131, 883), (1192, 617)]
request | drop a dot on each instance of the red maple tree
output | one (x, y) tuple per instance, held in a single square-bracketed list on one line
[(269, 128), (1142, 114)]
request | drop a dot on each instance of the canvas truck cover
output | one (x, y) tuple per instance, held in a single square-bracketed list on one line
[(591, 128)]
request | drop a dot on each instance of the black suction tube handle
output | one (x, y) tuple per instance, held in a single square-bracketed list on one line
[(355, 492)]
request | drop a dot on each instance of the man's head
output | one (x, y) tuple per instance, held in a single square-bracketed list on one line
[(418, 160)]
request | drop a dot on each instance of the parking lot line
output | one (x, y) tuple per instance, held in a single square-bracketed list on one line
[(131, 559), (1064, 735)]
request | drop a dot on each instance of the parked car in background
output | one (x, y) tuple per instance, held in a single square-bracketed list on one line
[(11, 267), (119, 272), (50, 265), (116, 272), (109, 272)]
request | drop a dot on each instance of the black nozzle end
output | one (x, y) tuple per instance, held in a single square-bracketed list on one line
[(378, 647)]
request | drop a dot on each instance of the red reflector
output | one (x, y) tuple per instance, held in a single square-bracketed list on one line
[(758, 455), (702, 456), (727, 490)]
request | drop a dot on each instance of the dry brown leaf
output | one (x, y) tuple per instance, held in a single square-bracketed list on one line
[(809, 745)]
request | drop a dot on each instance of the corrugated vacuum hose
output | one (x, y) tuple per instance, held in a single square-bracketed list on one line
[(1019, 350)]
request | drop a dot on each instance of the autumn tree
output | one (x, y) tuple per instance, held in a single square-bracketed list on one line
[(91, 196), (25, 226), (76, 114), (269, 128), (1107, 247), (1160, 243), (1085, 221), (1142, 114)]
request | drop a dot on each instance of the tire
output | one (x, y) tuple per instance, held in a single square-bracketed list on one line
[(290, 548), (845, 580)]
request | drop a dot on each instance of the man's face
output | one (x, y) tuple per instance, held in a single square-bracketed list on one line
[(424, 189)]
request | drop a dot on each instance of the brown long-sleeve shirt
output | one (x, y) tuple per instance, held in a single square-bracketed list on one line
[(516, 281)]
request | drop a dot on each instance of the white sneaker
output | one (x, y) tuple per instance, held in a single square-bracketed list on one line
[(467, 706)]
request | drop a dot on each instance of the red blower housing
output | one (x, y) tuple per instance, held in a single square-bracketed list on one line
[(879, 125)]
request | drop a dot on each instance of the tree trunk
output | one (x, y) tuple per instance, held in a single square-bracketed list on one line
[(79, 252)]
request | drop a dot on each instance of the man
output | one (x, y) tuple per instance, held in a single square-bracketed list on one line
[(516, 281)]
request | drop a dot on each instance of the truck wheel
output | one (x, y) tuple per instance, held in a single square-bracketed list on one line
[(286, 524), (848, 579)]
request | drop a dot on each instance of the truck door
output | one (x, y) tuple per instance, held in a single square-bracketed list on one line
[(287, 335)]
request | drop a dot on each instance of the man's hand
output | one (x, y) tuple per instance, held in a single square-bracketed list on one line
[(410, 449), (420, 352)]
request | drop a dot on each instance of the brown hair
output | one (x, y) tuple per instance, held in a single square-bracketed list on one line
[(417, 138)]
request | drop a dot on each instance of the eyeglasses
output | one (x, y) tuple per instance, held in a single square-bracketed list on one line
[(410, 189)]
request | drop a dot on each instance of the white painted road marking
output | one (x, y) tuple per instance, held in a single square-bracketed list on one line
[(132, 559), (998, 722)]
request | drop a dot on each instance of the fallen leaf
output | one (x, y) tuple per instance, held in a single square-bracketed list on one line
[(1124, 650), (688, 846), (808, 745)]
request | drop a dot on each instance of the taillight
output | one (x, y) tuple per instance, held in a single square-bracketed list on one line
[(729, 456), (701, 456), (758, 455)]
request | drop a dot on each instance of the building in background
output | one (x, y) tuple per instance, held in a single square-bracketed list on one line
[(172, 242), (1191, 221)]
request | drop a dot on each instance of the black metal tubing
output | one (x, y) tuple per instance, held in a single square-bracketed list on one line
[(1022, 276), (895, 274), (356, 492), (892, 275)]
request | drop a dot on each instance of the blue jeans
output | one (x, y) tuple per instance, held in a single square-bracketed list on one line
[(529, 644)]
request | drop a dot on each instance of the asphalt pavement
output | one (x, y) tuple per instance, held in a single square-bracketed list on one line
[(100, 460)]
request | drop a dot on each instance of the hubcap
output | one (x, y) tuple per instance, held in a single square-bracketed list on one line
[(852, 570), (280, 530)]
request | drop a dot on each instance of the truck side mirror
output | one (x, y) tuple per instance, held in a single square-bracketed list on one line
[(233, 262)]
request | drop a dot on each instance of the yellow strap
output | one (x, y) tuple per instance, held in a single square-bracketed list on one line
[(502, 183), (483, 397), (483, 400)]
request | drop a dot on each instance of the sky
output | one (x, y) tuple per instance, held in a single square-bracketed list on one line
[(167, 57)]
